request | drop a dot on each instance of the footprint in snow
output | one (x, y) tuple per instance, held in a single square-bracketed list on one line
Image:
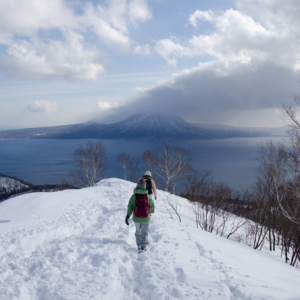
[(180, 275)]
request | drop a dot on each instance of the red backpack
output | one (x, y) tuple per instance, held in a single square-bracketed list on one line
[(142, 208)]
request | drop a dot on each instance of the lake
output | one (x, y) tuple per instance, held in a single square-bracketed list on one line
[(41, 161)]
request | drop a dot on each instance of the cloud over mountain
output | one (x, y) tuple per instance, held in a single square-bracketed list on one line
[(218, 92), (252, 65)]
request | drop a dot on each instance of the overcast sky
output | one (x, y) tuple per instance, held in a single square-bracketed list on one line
[(223, 62)]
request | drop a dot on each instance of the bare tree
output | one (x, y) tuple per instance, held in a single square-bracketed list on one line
[(134, 167), (275, 211), (91, 162), (216, 205), (172, 165), (186, 170), (151, 159), (270, 173), (197, 184), (290, 114), (123, 159)]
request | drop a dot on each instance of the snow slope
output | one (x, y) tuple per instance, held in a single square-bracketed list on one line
[(74, 245)]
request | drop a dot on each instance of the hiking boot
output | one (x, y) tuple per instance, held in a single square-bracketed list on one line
[(142, 249)]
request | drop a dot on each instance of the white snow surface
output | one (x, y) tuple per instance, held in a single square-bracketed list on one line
[(75, 245)]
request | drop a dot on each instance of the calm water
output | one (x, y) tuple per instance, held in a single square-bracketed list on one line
[(41, 161)]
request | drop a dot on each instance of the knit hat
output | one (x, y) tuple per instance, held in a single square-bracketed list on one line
[(148, 173), (141, 183)]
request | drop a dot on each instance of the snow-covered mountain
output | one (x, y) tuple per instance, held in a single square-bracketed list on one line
[(155, 125), (74, 245), (141, 126)]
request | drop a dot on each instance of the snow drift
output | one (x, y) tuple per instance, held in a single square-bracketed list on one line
[(75, 245)]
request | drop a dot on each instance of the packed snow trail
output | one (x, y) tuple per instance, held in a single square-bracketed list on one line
[(75, 245)]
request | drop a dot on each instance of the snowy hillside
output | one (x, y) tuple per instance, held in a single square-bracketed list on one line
[(9, 184), (75, 245)]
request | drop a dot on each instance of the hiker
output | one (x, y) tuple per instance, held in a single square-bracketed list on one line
[(150, 184), (142, 206)]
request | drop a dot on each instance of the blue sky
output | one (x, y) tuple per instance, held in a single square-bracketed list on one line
[(226, 62)]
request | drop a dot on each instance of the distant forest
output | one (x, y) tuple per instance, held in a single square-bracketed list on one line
[(11, 187)]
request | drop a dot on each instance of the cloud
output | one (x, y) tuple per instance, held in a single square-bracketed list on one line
[(25, 17), (42, 106), (68, 59), (256, 30), (142, 50), (171, 50), (48, 38), (139, 11), (219, 92), (103, 105)]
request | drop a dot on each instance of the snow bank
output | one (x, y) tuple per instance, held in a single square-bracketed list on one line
[(75, 245)]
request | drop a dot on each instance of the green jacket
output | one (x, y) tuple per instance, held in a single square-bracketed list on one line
[(131, 206)]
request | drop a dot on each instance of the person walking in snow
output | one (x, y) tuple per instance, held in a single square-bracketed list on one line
[(142, 206), (150, 184)]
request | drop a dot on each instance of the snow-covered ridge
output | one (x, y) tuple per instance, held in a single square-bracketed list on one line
[(9, 184), (74, 245)]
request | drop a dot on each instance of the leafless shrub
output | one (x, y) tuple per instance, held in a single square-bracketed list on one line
[(197, 210), (223, 218), (205, 218), (248, 235), (239, 237), (173, 207), (256, 234), (237, 223), (210, 201)]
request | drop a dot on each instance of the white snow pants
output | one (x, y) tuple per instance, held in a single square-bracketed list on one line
[(141, 234)]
